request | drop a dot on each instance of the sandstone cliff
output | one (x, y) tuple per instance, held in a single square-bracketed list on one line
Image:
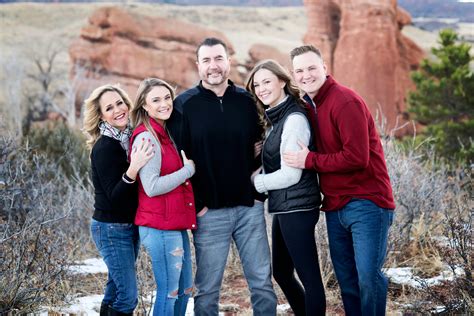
[(363, 47)]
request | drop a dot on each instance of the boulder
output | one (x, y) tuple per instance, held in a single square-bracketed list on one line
[(258, 52), (121, 47)]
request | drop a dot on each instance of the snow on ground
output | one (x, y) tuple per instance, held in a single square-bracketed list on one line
[(89, 305), (89, 266), (283, 308), (86, 305), (405, 276)]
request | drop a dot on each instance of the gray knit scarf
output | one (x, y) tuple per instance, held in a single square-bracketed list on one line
[(123, 136)]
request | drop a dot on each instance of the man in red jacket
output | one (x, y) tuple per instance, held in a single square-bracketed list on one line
[(358, 198)]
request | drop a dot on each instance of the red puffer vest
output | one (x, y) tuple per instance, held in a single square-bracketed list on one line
[(174, 210)]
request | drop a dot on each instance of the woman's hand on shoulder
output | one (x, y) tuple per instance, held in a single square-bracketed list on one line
[(141, 154)]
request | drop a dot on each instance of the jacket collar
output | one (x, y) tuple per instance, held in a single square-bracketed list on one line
[(323, 91), (276, 113), (231, 86), (160, 130)]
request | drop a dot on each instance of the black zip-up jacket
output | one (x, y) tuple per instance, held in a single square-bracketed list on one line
[(219, 135)]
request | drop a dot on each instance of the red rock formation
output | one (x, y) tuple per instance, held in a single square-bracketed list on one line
[(125, 48), (364, 49), (258, 52), (323, 27)]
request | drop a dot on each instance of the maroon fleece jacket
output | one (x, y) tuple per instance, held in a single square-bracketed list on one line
[(349, 155)]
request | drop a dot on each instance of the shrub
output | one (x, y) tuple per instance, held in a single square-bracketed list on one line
[(432, 227), (41, 226), (62, 145)]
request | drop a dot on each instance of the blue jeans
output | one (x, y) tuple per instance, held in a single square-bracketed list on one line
[(118, 244), (170, 254), (357, 236), (216, 230)]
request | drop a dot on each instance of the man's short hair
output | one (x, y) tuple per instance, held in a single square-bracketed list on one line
[(211, 41), (304, 49)]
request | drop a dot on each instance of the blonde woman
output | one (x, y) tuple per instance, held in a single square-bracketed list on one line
[(107, 126), (165, 199)]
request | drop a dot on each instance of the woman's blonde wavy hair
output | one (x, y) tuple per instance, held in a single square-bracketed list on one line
[(92, 112), (282, 74), (138, 115)]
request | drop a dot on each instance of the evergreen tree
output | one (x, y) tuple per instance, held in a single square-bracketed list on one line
[(444, 98)]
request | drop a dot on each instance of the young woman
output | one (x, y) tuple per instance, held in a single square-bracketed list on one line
[(106, 125), (293, 194), (165, 199)]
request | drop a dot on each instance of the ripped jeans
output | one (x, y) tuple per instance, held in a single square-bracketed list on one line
[(171, 260)]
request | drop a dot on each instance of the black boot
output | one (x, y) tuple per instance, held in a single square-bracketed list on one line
[(104, 309), (113, 312)]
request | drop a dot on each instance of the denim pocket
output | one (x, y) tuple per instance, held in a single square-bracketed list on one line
[(117, 231)]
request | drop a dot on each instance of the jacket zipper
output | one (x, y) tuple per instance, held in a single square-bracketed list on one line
[(220, 102), (263, 146)]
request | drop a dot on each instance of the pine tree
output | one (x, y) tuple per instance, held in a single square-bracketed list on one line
[(444, 98)]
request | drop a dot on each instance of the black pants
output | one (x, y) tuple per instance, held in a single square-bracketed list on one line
[(294, 247)]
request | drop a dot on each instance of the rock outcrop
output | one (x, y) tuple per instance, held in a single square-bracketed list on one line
[(362, 44), (120, 47), (258, 52)]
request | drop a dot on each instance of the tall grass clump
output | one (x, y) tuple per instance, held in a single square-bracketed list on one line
[(432, 229)]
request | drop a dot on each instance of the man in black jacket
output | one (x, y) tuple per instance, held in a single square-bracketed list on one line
[(217, 125)]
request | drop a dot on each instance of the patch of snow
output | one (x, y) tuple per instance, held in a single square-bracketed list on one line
[(405, 276), (439, 309), (442, 240), (89, 305), (89, 266), (86, 305), (283, 308), (401, 276)]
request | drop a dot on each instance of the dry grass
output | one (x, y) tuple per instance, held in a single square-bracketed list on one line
[(422, 253)]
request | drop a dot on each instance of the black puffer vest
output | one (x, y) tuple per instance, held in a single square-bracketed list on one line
[(305, 194)]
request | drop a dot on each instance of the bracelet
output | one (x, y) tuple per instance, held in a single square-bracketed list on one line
[(127, 179)]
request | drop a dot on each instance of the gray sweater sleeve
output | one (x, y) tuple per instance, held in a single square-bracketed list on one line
[(296, 127), (153, 183)]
